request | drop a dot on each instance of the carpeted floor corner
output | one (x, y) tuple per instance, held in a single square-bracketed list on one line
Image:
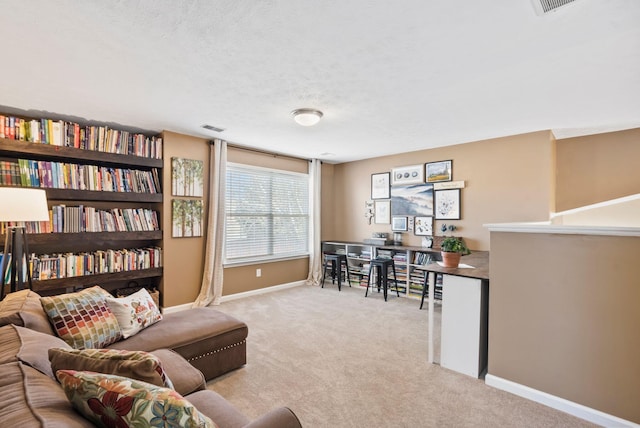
[(338, 359)]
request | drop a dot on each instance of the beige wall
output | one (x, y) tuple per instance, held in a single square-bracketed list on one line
[(183, 257), (243, 278), (564, 319), (327, 215), (597, 168), (507, 179)]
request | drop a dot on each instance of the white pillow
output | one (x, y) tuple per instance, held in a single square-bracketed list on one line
[(135, 312)]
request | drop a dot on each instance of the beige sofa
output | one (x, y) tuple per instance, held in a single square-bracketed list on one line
[(188, 343)]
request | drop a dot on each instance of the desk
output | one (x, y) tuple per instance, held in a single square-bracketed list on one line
[(465, 293)]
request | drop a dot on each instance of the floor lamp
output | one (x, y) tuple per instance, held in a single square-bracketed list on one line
[(19, 204)]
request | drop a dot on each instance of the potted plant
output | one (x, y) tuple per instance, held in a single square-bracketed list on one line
[(452, 248)]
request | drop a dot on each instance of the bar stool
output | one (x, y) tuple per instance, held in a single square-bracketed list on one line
[(336, 268), (382, 279)]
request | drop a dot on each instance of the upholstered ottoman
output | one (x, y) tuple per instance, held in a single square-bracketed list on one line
[(212, 341)]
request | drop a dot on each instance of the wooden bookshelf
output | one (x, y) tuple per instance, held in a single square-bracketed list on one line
[(50, 243)]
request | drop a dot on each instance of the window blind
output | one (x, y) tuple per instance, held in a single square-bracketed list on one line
[(267, 214)]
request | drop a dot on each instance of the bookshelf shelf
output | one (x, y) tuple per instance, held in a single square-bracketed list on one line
[(96, 195), (90, 280), (38, 151)]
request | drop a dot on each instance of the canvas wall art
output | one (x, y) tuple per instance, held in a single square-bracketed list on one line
[(186, 177), (186, 218)]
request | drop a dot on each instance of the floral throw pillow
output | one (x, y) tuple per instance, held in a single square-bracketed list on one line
[(135, 312), (115, 401), (83, 319), (139, 365)]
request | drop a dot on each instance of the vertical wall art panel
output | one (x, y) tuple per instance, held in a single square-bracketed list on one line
[(186, 177), (186, 218)]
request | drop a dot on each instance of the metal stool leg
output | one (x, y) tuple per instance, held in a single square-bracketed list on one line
[(385, 281), (324, 271), (346, 262), (425, 287), (368, 280), (395, 278)]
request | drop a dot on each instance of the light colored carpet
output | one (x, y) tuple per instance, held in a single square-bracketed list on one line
[(338, 359)]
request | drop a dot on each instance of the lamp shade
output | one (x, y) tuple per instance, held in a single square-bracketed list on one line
[(23, 204), (306, 116)]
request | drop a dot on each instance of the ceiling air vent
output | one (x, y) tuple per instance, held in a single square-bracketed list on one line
[(546, 6), (212, 128)]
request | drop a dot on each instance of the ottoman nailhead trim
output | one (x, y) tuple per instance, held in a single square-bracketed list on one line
[(217, 350)]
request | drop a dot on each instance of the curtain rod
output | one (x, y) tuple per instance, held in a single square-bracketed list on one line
[(264, 152)]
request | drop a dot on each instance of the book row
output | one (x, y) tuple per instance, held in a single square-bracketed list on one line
[(71, 134), (44, 267), (64, 219), (63, 175)]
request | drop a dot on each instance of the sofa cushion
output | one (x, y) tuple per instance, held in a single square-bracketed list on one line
[(109, 400), (34, 346), (32, 399), (83, 319), (206, 337), (23, 308), (185, 378), (134, 312), (138, 365), (9, 344)]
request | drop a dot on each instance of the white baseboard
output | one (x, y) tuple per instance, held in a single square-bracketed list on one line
[(223, 299), (262, 291), (575, 409), (177, 308)]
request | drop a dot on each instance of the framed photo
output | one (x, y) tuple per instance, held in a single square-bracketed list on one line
[(382, 212), (412, 200), (380, 185), (423, 226), (399, 224), (439, 171), (186, 177), (447, 204), (407, 175)]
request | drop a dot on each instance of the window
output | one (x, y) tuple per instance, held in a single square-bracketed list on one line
[(267, 214)]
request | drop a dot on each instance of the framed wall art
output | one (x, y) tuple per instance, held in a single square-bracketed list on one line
[(380, 185), (412, 200), (382, 212), (439, 171), (413, 174), (186, 177), (423, 225), (186, 218), (399, 224), (447, 204)]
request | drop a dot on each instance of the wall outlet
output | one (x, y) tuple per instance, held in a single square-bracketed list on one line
[(258, 273)]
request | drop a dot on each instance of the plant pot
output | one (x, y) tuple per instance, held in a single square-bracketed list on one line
[(451, 260)]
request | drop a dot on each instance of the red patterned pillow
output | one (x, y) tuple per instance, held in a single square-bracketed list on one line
[(115, 401), (83, 319)]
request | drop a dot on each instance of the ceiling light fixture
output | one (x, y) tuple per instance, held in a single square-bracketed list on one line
[(306, 116)]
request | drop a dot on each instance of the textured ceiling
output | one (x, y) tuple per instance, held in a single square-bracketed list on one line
[(390, 77)]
